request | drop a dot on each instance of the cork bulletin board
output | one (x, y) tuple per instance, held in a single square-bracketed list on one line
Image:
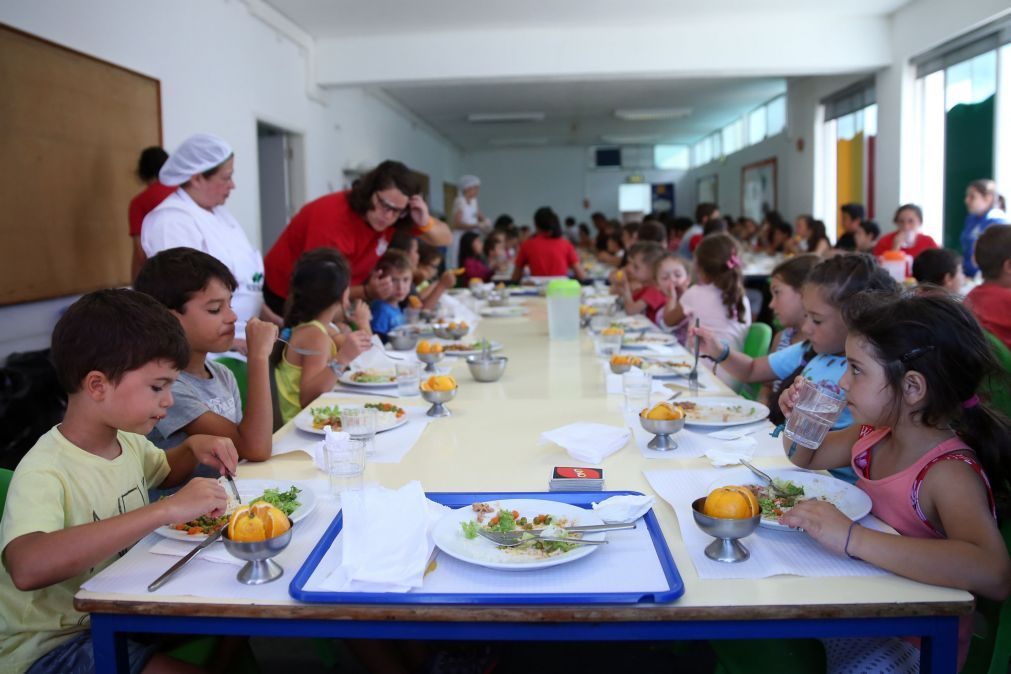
[(71, 129)]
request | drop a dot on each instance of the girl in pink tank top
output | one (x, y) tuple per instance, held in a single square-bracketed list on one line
[(924, 450)]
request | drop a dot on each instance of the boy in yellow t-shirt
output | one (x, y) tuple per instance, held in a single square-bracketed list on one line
[(79, 499)]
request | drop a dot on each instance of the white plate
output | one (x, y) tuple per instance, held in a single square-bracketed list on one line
[(716, 406), (303, 421), (495, 346), (251, 489), (659, 370), (851, 501), (348, 381), (503, 312), (448, 535), (647, 340)]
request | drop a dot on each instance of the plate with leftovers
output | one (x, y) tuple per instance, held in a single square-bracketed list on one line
[(793, 486), (296, 499), (646, 340), (666, 369), (717, 412), (315, 419), (468, 348), (456, 533), (369, 378)]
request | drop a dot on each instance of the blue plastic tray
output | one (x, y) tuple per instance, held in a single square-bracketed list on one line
[(459, 499)]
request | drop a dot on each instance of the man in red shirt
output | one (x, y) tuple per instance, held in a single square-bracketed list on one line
[(991, 300), (359, 223), (150, 162)]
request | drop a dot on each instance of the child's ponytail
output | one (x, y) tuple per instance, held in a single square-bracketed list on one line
[(717, 257)]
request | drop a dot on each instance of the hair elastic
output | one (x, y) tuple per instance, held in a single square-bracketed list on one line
[(971, 402), (849, 535)]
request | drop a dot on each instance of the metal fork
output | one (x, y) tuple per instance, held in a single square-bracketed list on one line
[(586, 529), (693, 376), (301, 352), (763, 475), (507, 541)]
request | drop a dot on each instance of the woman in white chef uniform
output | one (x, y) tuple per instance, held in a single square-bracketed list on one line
[(466, 215), (195, 216)]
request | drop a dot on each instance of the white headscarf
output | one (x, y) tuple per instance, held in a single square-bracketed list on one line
[(197, 154), (468, 181)]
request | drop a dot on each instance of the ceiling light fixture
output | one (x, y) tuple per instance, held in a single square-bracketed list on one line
[(630, 140), (504, 117), (651, 114), (518, 142)]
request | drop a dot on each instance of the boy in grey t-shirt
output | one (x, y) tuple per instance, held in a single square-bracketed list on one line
[(197, 288)]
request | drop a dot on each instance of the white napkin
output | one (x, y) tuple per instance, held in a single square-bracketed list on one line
[(730, 452), (459, 311), (212, 553), (334, 440), (622, 509), (386, 539), (373, 359), (589, 442)]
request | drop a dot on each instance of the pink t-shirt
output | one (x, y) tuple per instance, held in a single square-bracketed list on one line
[(705, 302)]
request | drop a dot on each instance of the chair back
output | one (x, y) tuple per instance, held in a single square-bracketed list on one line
[(756, 344)]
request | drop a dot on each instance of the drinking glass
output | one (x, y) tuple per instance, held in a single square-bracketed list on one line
[(408, 376), (345, 464), (816, 411), (608, 345), (637, 387), (360, 424)]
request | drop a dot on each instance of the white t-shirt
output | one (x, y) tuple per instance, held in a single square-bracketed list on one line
[(179, 221), (468, 211)]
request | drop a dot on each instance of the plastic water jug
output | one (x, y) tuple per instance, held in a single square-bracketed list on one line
[(894, 262), (563, 309)]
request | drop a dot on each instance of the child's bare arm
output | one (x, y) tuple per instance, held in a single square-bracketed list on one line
[(40, 559), (740, 365)]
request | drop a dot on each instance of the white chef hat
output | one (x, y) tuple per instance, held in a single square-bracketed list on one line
[(197, 154), (468, 181)]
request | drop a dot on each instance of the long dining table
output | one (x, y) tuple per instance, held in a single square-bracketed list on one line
[(491, 443)]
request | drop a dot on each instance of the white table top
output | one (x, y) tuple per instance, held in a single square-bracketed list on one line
[(549, 384)]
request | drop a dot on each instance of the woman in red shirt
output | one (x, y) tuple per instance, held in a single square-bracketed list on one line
[(906, 237), (547, 253)]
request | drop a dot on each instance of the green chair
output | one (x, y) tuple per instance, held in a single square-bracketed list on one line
[(756, 345), (995, 388), (783, 656), (990, 649), (241, 372), (5, 482)]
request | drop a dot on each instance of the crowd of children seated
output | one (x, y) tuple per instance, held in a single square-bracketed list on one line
[(151, 412)]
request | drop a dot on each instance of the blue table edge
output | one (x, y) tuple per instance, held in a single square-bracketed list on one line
[(459, 499)]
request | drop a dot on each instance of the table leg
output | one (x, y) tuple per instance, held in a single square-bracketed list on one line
[(109, 645), (939, 647)]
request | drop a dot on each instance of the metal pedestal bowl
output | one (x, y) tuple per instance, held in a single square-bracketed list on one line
[(430, 359), (259, 568), (620, 368), (438, 400), (726, 547), (487, 369), (403, 340), (662, 429), (446, 332)]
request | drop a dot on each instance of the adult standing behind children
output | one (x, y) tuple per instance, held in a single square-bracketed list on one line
[(197, 288), (466, 215), (194, 216), (79, 498), (359, 223), (150, 163), (547, 253), (985, 207)]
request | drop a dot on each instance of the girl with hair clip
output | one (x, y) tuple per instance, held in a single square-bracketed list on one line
[(717, 300), (828, 287), (926, 450), (318, 351)]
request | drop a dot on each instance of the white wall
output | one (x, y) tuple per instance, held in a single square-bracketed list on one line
[(221, 69), (521, 180)]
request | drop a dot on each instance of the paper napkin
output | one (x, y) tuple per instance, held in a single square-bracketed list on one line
[(386, 539), (373, 359), (589, 442), (730, 452), (622, 509)]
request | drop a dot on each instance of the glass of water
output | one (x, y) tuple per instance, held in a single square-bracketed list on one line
[(345, 464), (408, 377), (637, 387), (360, 424), (608, 345), (817, 409)]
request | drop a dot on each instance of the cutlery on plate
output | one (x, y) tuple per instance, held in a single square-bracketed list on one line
[(677, 394), (587, 529), (763, 475), (162, 579), (693, 376), (235, 490), (501, 538)]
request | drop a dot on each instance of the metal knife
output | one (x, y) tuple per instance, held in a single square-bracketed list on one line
[(162, 579)]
